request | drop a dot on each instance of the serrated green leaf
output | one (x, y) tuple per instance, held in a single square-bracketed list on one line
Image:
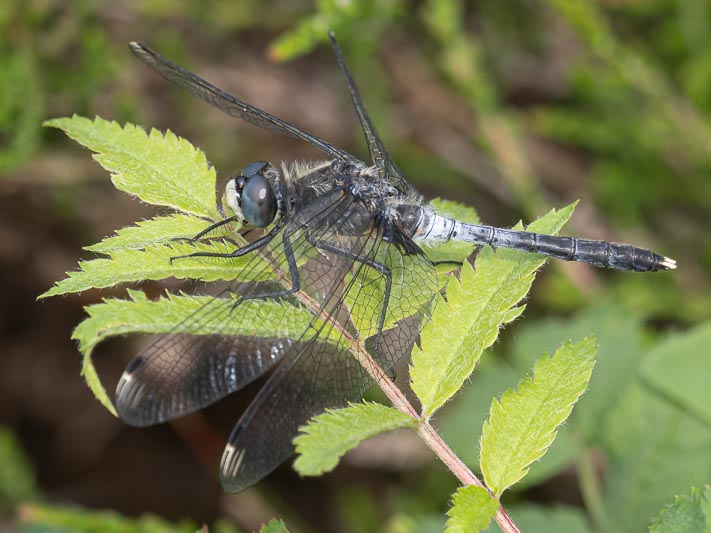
[(114, 316), (522, 425), (472, 510), (161, 169), (157, 230), (460, 423), (274, 526), (477, 305), (619, 336), (154, 263), (690, 513), (261, 318), (329, 436)]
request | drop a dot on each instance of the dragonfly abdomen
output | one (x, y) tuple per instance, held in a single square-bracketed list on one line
[(599, 253), (436, 228)]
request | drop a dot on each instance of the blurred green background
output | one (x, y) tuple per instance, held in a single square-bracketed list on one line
[(512, 107)]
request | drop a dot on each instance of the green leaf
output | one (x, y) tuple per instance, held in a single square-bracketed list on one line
[(161, 169), (327, 437), (154, 263), (162, 229), (113, 317), (619, 336), (522, 425), (472, 510), (460, 422), (690, 513), (477, 305), (680, 368), (274, 526)]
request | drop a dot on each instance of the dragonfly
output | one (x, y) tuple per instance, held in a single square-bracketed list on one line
[(342, 240)]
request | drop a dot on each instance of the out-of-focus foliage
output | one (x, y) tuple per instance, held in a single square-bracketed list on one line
[(274, 526), (39, 518), (47, 51), (342, 18), (17, 483), (689, 513)]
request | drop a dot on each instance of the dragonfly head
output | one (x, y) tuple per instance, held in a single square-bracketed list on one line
[(250, 196)]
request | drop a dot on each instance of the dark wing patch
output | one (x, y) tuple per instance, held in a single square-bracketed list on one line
[(180, 373)]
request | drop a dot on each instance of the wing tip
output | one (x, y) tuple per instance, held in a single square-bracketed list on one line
[(230, 465)]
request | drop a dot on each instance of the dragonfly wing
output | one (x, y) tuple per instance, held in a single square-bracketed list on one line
[(378, 154), (323, 375), (235, 337), (261, 440), (227, 103)]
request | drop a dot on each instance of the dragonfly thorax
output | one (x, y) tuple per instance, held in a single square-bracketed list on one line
[(250, 196)]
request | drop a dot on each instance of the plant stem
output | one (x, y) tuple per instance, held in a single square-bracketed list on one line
[(590, 488), (401, 403), (428, 434)]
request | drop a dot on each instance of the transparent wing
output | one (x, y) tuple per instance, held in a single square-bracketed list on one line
[(378, 154), (321, 375), (227, 103), (223, 346)]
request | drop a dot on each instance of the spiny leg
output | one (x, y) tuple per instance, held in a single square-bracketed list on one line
[(207, 230), (239, 252), (293, 273)]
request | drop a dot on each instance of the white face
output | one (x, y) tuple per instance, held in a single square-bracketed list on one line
[(231, 200)]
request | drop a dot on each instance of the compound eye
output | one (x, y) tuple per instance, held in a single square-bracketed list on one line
[(253, 168), (259, 205)]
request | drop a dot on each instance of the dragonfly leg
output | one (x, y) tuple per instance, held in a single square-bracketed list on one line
[(207, 230), (239, 252), (293, 273)]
